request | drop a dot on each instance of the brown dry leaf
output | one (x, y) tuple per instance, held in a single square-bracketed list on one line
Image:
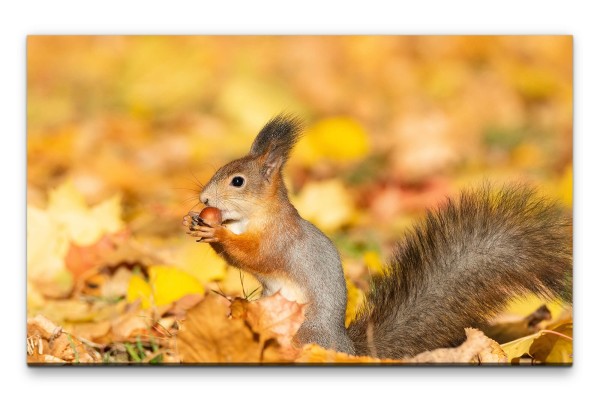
[(92, 331), (116, 285), (209, 336), (82, 258), (48, 343), (130, 325), (477, 348), (67, 310), (275, 316), (132, 252), (185, 303)]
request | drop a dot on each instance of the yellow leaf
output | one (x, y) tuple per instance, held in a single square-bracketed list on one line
[(528, 155), (108, 215), (47, 245), (553, 348), (340, 139), (566, 186), (170, 283), (200, 261), (65, 197), (139, 289), (355, 300), (166, 284), (523, 306), (548, 346), (327, 204), (374, 262), (84, 226)]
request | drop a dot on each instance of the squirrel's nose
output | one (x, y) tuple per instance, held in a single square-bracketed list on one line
[(204, 199)]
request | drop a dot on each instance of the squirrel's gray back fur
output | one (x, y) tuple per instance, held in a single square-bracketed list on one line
[(461, 265)]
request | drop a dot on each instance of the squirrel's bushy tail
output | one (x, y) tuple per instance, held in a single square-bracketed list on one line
[(460, 266)]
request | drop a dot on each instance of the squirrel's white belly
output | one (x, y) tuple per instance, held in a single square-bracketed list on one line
[(290, 290)]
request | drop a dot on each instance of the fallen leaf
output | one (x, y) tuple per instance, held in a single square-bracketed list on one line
[(476, 349), (130, 325), (553, 346), (81, 259), (274, 317), (355, 300), (208, 335), (340, 139), (200, 261), (92, 331), (116, 286), (327, 204), (48, 343), (166, 284), (504, 329), (374, 263), (84, 225), (47, 247)]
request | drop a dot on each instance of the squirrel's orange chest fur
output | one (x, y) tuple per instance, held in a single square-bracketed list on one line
[(259, 249)]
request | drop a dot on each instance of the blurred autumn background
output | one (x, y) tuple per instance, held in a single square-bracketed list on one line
[(123, 129)]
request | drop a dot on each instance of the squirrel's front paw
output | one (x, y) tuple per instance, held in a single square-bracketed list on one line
[(207, 233)]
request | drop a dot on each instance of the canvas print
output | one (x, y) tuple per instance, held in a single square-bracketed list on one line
[(299, 200)]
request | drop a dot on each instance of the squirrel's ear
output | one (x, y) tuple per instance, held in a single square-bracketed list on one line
[(275, 141)]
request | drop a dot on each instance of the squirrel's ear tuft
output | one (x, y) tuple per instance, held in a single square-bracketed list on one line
[(275, 141)]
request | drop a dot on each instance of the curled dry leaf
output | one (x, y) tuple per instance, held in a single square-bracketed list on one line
[(48, 343), (477, 349)]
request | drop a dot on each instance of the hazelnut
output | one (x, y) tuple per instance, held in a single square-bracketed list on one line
[(211, 216)]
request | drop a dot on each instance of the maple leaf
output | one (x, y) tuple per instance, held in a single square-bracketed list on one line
[(262, 331), (50, 233), (208, 335), (273, 317), (83, 225)]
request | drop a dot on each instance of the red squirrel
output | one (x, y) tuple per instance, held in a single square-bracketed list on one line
[(456, 268)]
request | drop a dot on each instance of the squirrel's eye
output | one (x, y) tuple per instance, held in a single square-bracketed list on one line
[(237, 181)]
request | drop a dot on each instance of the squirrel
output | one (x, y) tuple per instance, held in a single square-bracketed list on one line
[(454, 270)]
